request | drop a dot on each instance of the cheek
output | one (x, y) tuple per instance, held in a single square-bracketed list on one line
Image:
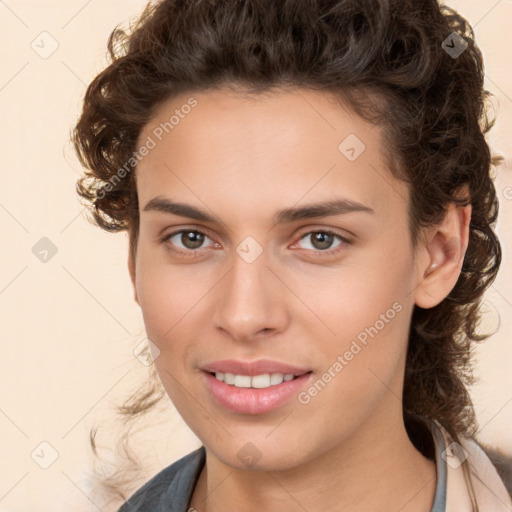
[(169, 298), (362, 362), (157, 299), (358, 301), (367, 309), (167, 305)]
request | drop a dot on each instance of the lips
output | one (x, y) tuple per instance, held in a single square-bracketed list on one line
[(255, 401), (252, 368), (252, 400)]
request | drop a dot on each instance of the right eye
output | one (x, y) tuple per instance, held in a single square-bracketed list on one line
[(191, 241)]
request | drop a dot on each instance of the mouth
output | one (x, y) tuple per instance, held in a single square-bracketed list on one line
[(261, 381), (254, 388)]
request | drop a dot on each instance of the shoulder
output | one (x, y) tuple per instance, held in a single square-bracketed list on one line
[(502, 462), (494, 465), (481, 483), (170, 489)]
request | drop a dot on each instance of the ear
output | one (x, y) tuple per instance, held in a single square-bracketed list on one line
[(442, 255), (131, 270)]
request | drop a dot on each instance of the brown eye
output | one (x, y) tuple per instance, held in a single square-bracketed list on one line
[(323, 240), (185, 241), (192, 239)]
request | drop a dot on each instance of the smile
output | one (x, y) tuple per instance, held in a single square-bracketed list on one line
[(264, 380), (256, 394)]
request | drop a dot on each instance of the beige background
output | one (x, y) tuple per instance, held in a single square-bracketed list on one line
[(69, 326)]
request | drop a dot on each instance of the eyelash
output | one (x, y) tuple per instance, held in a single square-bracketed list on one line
[(193, 252)]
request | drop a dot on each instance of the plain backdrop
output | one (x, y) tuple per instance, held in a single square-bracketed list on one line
[(68, 321)]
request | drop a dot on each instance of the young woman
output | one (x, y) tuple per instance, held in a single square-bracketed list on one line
[(306, 187)]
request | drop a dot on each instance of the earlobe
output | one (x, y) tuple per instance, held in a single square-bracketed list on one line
[(445, 249)]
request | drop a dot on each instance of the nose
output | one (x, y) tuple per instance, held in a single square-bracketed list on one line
[(251, 301)]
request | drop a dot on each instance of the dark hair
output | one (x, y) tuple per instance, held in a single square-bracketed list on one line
[(397, 63)]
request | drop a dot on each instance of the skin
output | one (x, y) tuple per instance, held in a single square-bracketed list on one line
[(242, 158)]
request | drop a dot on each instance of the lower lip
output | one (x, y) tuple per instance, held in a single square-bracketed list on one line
[(255, 400)]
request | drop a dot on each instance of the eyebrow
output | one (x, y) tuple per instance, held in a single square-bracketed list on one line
[(313, 210)]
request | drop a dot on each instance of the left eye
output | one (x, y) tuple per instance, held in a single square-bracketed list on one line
[(322, 240)]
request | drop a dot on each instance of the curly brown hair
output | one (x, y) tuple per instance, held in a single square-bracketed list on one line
[(388, 59)]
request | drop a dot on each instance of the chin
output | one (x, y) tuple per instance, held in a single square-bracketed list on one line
[(260, 455)]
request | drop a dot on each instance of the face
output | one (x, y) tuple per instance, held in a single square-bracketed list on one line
[(262, 284)]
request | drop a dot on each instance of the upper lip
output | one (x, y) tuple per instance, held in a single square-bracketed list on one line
[(252, 368)]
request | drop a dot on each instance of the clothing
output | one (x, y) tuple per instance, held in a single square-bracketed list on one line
[(172, 488)]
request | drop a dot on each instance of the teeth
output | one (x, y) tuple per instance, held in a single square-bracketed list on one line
[(276, 378), (242, 381), (257, 381), (260, 381)]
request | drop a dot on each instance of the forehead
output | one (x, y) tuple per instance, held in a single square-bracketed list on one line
[(277, 148)]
